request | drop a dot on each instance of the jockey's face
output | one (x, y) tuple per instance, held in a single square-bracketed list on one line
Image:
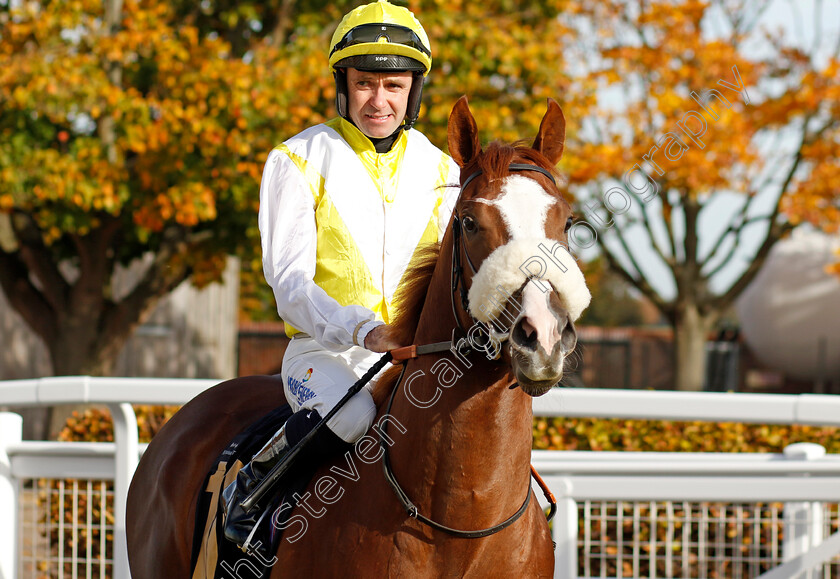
[(377, 100)]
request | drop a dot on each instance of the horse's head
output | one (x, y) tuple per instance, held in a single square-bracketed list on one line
[(510, 228)]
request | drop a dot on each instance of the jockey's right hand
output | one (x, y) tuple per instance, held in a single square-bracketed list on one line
[(379, 340)]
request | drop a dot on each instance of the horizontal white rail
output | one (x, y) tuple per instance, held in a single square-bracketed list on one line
[(80, 460), (573, 477), (812, 409), (790, 477), (97, 390)]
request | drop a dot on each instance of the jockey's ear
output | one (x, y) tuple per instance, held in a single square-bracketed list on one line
[(551, 138), (462, 132)]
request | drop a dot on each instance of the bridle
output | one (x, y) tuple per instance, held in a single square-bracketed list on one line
[(457, 284), (457, 281)]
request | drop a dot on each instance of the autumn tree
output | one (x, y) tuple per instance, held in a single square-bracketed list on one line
[(700, 102), (126, 137)]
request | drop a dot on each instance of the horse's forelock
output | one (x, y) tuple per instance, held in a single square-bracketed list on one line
[(494, 161)]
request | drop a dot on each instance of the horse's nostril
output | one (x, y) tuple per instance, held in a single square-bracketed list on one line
[(529, 329), (524, 334), (568, 338)]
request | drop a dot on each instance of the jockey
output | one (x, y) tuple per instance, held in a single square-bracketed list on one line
[(343, 208)]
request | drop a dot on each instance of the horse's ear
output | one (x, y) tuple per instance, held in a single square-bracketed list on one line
[(551, 138), (462, 132)]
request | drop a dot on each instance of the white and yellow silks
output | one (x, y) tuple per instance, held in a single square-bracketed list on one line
[(340, 224)]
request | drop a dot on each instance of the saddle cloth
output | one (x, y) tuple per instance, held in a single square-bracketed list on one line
[(213, 556)]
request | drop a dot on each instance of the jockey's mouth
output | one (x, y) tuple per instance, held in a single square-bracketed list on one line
[(379, 118)]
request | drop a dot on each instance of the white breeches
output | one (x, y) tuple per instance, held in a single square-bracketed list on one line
[(316, 379)]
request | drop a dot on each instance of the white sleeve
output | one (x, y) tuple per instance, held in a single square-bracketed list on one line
[(289, 242), (450, 198)]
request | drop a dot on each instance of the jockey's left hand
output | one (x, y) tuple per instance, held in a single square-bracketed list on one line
[(379, 340)]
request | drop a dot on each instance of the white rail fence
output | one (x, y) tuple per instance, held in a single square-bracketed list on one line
[(661, 514)]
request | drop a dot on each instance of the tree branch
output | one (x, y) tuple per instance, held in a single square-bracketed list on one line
[(669, 227), (39, 261), (774, 232), (24, 297), (95, 265), (284, 22), (641, 283), (649, 229), (163, 275), (735, 244), (741, 221)]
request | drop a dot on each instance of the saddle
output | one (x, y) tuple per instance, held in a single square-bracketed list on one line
[(213, 556)]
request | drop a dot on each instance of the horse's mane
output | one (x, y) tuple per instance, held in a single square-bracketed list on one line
[(408, 304), (411, 294)]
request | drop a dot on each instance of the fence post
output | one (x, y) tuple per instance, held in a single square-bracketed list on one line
[(565, 532), (127, 452), (11, 432), (803, 520)]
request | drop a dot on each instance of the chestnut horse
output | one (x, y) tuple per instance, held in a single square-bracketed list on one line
[(457, 430)]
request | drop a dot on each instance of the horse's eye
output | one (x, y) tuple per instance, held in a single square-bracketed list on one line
[(568, 225), (470, 226)]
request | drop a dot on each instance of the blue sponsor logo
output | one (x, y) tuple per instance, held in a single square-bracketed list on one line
[(301, 392)]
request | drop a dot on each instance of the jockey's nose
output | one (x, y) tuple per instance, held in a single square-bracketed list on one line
[(378, 99)]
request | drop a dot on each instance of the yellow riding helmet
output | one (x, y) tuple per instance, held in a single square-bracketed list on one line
[(380, 36)]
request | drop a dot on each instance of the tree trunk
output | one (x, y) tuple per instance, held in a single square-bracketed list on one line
[(73, 353), (691, 329)]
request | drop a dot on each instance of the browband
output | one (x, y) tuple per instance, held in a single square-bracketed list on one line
[(512, 167)]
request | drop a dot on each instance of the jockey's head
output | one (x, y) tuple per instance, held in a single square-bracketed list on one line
[(379, 55)]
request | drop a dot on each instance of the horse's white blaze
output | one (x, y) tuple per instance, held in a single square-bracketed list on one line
[(538, 317), (524, 205)]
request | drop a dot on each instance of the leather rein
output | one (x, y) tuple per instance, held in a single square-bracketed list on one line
[(458, 284)]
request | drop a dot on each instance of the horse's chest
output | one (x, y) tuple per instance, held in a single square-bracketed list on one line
[(414, 554), (484, 558)]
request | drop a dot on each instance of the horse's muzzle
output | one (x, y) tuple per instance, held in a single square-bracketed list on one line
[(540, 339)]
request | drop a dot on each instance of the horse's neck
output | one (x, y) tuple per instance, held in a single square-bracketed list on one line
[(471, 438)]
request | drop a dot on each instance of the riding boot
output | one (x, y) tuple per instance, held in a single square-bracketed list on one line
[(238, 522)]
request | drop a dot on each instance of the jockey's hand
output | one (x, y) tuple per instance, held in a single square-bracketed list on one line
[(379, 340)]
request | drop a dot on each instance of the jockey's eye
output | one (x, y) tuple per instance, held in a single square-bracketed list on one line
[(470, 226), (568, 225)]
